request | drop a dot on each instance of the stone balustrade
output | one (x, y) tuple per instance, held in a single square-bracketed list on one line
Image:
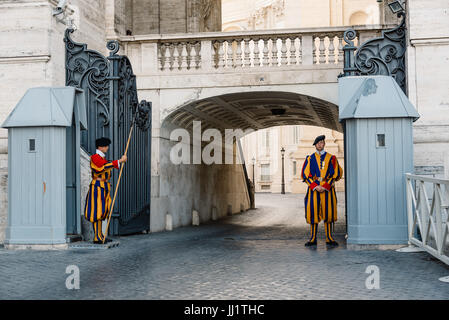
[(288, 48)]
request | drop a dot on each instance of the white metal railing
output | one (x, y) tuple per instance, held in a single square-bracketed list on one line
[(247, 49), (428, 225)]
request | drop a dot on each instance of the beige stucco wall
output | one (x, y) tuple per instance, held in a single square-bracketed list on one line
[(275, 14), (295, 151), (334, 146)]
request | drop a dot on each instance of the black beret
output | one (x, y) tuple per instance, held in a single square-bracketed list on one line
[(318, 139), (102, 142)]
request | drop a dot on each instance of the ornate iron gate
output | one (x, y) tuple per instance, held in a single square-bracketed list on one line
[(384, 55), (112, 105)]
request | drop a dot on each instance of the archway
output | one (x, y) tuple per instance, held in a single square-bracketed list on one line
[(217, 190), (254, 110)]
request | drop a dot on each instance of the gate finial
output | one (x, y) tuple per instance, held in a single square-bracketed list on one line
[(113, 46)]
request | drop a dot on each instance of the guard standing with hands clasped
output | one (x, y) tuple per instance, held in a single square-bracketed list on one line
[(98, 199), (320, 171)]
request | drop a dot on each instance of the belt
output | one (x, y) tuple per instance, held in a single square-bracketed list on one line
[(98, 179)]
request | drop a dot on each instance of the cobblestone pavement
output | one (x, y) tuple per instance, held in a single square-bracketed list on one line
[(259, 254)]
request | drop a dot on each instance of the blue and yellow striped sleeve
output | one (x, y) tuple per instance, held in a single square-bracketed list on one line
[(305, 174)]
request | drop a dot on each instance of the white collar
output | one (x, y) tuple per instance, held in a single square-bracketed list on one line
[(101, 153), (321, 152)]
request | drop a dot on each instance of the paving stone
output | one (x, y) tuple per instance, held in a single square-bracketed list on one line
[(259, 254)]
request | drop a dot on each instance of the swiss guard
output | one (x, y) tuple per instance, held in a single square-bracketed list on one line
[(320, 171), (98, 199)]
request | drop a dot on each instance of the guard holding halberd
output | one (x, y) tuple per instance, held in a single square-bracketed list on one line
[(98, 199)]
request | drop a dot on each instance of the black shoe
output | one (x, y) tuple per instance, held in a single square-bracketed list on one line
[(332, 243), (310, 243), (108, 240)]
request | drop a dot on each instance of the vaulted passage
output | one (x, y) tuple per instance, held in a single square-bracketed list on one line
[(212, 191), (257, 110)]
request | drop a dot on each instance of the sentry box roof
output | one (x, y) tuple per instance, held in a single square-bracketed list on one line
[(373, 97), (48, 106)]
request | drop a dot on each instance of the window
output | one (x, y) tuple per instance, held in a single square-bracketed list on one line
[(267, 139), (265, 187), (265, 172), (294, 168), (380, 140), (295, 135), (31, 145)]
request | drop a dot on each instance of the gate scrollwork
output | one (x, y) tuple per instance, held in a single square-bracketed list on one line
[(384, 55), (88, 69), (112, 105)]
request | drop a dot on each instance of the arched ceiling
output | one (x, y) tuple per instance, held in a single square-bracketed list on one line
[(257, 110)]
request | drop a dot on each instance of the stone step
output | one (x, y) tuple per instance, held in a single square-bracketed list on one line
[(92, 246)]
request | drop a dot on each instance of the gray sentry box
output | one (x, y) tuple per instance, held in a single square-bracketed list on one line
[(43, 166), (378, 120)]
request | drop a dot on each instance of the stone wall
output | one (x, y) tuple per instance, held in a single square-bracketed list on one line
[(3, 195), (175, 16), (428, 84), (32, 47), (145, 16), (187, 187)]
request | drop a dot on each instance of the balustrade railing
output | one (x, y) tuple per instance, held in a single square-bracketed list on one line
[(428, 210), (179, 55), (287, 48)]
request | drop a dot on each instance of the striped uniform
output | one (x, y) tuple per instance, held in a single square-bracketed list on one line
[(321, 170), (98, 199)]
